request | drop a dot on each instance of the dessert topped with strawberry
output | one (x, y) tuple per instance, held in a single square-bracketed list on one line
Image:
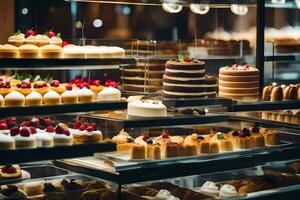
[(24, 87), (57, 86), (61, 135), (10, 171), (41, 87), (240, 67), (84, 132), (111, 83), (95, 86)]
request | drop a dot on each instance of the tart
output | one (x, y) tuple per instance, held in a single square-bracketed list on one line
[(109, 94), (41, 87), (28, 51), (8, 51), (85, 95), (34, 99), (14, 98), (57, 86), (17, 39), (24, 87), (23, 137), (6, 142), (11, 171), (95, 86), (52, 98), (5, 88), (69, 96), (51, 51), (42, 40)]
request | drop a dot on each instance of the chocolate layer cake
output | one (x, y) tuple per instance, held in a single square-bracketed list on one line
[(184, 79)]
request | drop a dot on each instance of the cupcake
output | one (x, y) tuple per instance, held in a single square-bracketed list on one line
[(41, 87), (14, 98), (8, 51), (42, 40), (57, 86), (109, 94), (55, 40), (51, 51), (17, 39), (34, 99), (85, 95), (24, 87), (69, 96), (32, 40), (5, 88), (23, 137), (52, 98), (62, 136), (28, 51)]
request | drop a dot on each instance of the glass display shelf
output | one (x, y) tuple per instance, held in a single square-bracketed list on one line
[(288, 4), (197, 102), (59, 152), (63, 108)]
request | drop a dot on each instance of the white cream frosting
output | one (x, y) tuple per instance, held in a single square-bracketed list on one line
[(185, 71), (134, 98), (33, 95), (78, 132), (42, 37), (62, 139), (184, 93), (51, 95), (74, 50), (163, 195), (31, 38), (20, 37), (85, 92), (54, 40), (210, 188), (43, 137), (228, 191), (121, 137), (6, 139), (69, 93), (109, 94), (184, 78), (147, 108), (14, 95)]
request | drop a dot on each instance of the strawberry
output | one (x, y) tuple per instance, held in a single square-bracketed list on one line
[(30, 32), (3, 126), (14, 131), (42, 121), (33, 130), (51, 34), (10, 121), (35, 122), (89, 129), (54, 83), (9, 170), (85, 125), (66, 132), (50, 129), (187, 59), (94, 125), (111, 83), (69, 87), (25, 132), (25, 123), (165, 135), (65, 43), (59, 130), (48, 122), (81, 128), (145, 136), (77, 124)]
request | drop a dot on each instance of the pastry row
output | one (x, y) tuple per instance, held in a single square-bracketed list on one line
[(289, 116), (54, 51), (40, 132), (275, 92), (166, 146)]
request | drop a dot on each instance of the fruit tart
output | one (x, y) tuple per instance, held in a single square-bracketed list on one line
[(41, 87), (57, 86), (5, 87), (10, 171), (24, 87), (95, 86)]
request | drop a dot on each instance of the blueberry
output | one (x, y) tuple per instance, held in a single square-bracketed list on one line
[(235, 133)]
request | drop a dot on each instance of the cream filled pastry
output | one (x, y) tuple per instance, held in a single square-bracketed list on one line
[(209, 188), (14, 98), (69, 96), (6, 142), (109, 94), (227, 191), (85, 95), (34, 99), (17, 39), (52, 98)]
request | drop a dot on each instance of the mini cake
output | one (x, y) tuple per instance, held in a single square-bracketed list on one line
[(257, 138), (42, 40), (51, 51), (55, 40), (8, 51), (14, 99), (272, 93), (23, 137), (184, 78), (10, 171), (69, 96), (6, 142), (153, 151), (43, 139), (225, 144), (33, 188), (290, 92), (190, 150), (109, 94), (147, 108), (271, 137), (24, 87), (41, 87), (5, 88), (62, 136), (34, 99), (17, 39), (240, 139), (85, 95), (86, 133), (28, 51), (138, 152), (239, 82), (52, 98), (73, 52), (57, 86), (124, 141)]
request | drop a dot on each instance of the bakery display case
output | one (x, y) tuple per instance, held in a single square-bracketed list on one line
[(179, 113)]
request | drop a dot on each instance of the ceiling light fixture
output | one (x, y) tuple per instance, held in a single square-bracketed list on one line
[(199, 8), (239, 9), (172, 7)]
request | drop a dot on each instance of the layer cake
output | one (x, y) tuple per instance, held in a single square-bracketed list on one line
[(239, 82)]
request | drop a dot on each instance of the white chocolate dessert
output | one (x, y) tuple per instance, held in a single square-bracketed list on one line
[(34, 99), (52, 98), (147, 108), (109, 94), (14, 98)]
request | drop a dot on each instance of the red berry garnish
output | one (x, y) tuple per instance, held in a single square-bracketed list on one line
[(82, 128), (48, 122), (29, 33), (33, 130), (9, 170), (89, 129), (165, 135), (59, 130), (10, 120), (234, 66), (94, 125), (77, 124), (3, 126), (145, 137), (25, 123), (66, 132), (65, 43), (51, 34), (187, 59), (69, 87), (50, 129), (25, 132), (14, 131)]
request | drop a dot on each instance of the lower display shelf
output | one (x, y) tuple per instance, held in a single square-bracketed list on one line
[(60, 152)]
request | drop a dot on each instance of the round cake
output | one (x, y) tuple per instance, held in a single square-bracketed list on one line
[(147, 108), (239, 83), (184, 78)]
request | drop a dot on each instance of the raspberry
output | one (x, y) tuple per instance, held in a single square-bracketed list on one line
[(89, 129), (33, 130), (3, 126), (50, 129), (25, 132), (165, 135), (14, 131), (77, 124)]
